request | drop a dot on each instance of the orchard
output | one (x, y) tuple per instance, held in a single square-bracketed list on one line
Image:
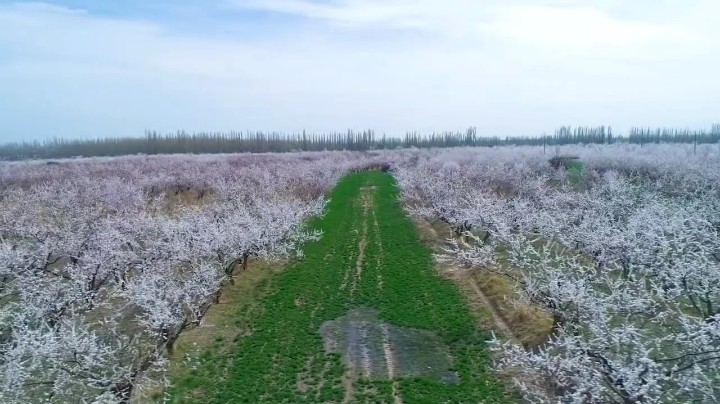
[(105, 263)]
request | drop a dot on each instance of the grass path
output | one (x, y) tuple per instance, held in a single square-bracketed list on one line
[(370, 258)]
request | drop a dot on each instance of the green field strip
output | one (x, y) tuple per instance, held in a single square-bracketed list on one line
[(282, 357)]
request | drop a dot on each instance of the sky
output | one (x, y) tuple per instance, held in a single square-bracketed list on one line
[(96, 68)]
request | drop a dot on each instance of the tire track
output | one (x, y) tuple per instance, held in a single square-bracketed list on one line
[(496, 318), (367, 201), (381, 252), (433, 238), (391, 364)]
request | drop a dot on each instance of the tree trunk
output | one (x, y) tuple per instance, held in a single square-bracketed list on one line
[(230, 269), (486, 237), (245, 257), (123, 391), (170, 343)]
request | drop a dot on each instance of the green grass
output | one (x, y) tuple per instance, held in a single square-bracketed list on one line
[(577, 174), (575, 166), (282, 359)]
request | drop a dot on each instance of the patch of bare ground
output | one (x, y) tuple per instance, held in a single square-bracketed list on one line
[(491, 296), (374, 350)]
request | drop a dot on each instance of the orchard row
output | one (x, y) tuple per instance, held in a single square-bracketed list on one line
[(621, 247), (104, 262)]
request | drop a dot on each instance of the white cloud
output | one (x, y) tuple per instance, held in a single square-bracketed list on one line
[(604, 27), (509, 67), (577, 27), (394, 13)]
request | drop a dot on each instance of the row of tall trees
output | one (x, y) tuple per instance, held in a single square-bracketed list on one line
[(673, 135), (275, 142)]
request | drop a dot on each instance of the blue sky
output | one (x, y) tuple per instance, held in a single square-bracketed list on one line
[(91, 68)]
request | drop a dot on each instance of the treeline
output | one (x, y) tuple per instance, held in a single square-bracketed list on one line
[(258, 142), (672, 135)]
